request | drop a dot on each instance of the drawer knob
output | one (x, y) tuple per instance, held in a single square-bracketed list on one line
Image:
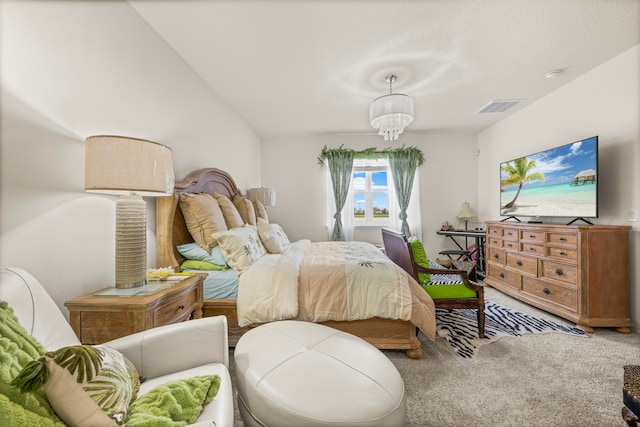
[(496, 256), (532, 236), (563, 253), (562, 239), (546, 291), (532, 249), (559, 272), (181, 306), (519, 262), (501, 275)]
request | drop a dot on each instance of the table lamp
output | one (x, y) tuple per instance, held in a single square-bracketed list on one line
[(266, 195), (130, 168), (466, 213)]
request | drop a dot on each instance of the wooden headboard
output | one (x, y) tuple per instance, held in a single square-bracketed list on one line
[(171, 230)]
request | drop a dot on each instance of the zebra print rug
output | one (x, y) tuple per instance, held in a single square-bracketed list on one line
[(460, 327)]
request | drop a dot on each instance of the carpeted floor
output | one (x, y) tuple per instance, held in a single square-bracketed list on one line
[(541, 380)]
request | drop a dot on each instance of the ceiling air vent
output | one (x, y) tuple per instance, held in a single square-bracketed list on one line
[(500, 105)]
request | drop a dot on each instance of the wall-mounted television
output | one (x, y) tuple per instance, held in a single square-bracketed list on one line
[(558, 182)]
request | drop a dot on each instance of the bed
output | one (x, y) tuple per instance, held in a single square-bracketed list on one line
[(172, 232)]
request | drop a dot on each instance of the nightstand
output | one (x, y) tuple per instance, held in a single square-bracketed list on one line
[(113, 313)]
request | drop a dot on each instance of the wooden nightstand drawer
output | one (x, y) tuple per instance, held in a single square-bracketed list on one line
[(113, 313), (176, 311)]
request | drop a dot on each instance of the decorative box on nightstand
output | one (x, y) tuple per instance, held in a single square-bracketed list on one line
[(113, 313)]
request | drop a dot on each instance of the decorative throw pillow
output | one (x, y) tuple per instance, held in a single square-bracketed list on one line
[(271, 236), (261, 212), (194, 251), (241, 247), (177, 402), (420, 257), (231, 216), (196, 264), (86, 385), (203, 217), (245, 209)]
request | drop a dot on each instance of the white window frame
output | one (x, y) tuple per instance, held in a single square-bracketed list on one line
[(368, 167)]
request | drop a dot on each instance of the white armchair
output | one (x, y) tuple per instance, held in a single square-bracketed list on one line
[(196, 347)]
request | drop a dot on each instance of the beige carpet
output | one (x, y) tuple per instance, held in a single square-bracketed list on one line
[(533, 380)]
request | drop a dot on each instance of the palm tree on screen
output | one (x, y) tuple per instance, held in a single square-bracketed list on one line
[(518, 174)]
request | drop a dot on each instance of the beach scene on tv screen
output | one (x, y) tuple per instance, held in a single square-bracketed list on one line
[(556, 182)]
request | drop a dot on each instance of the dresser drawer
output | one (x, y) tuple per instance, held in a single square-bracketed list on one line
[(559, 271), (521, 263), (495, 241), (532, 236), (532, 249), (562, 253), (177, 310), (508, 277), (566, 239), (511, 245), (566, 296), (510, 234), (494, 232), (496, 255)]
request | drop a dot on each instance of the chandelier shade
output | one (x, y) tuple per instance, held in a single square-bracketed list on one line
[(391, 114)]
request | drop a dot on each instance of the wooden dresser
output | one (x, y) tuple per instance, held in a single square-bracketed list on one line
[(109, 314), (578, 272)]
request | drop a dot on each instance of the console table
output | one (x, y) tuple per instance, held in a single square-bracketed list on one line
[(578, 272)]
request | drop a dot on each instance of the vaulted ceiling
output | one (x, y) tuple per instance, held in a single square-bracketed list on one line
[(294, 68)]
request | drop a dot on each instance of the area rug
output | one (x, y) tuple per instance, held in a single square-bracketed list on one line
[(460, 327)]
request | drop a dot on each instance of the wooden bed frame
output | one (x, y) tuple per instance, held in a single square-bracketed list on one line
[(172, 231)]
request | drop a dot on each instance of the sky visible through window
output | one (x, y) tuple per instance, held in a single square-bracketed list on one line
[(377, 192)]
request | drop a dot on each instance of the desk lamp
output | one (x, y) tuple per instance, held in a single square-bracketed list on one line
[(130, 168), (466, 213)]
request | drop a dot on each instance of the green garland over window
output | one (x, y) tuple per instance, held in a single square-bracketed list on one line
[(371, 153)]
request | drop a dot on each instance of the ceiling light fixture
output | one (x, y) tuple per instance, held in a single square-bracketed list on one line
[(391, 113)]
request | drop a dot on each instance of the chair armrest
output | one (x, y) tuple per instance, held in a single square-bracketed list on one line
[(173, 348), (462, 273)]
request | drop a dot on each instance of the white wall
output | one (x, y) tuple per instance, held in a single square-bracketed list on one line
[(603, 102), (447, 178), (75, 69)]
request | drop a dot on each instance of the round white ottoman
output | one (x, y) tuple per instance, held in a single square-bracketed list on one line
[(299, 374)]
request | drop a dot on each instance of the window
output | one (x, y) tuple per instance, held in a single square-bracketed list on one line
[(372, 192)]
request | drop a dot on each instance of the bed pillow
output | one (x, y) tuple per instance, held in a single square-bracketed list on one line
[(241, 247), (272, 236), (261, 212), (86, 385), (203, 217), (246, 209), (196, 264), (231, 216), (195, 252)]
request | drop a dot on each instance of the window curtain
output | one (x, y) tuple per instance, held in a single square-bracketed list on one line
[(403, 165), (340, 164)]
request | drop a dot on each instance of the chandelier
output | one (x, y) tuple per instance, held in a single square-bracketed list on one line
[(391, 113)]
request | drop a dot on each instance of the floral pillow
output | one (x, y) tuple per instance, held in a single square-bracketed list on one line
[(86, 385), (241, 246)]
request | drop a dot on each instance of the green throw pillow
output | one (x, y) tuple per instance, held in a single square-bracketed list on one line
[(177, 402), (86, 385), (17, 349), (420, 257), (194, 264)]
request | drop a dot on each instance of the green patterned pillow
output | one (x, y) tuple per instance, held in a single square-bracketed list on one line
[(420, 257), (86, 385)]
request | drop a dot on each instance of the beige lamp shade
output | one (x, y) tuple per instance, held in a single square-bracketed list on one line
[(266, 195), (466, 212), (121, 165)]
